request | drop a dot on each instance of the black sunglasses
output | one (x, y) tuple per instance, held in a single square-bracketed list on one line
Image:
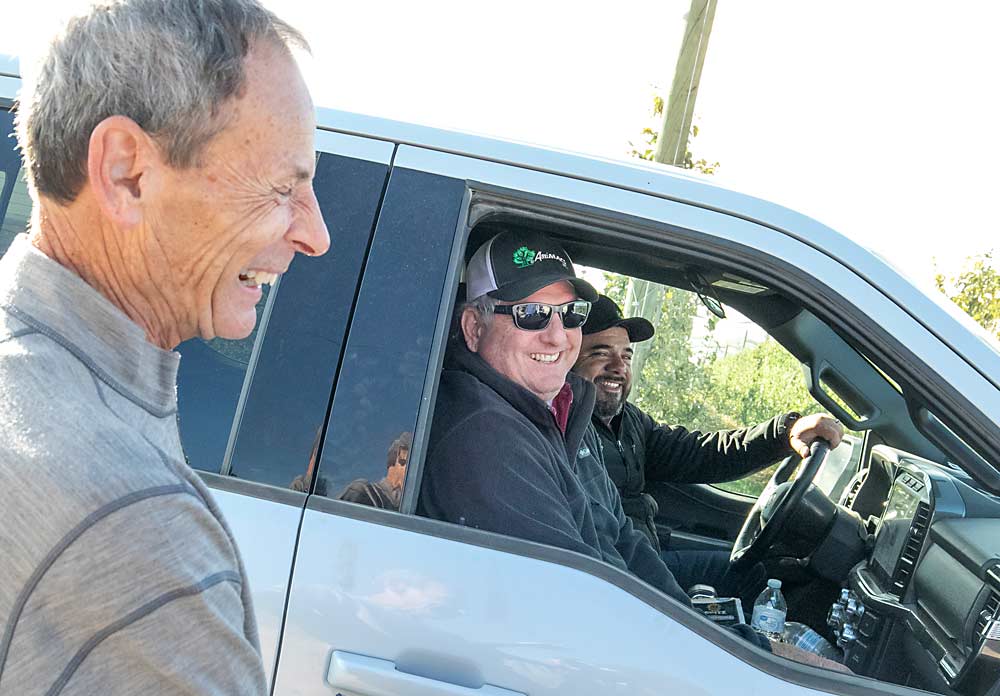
[(535, 316)]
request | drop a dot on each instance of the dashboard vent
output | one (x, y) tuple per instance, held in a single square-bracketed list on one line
[(988, 613), (853, 493), (911, 550)]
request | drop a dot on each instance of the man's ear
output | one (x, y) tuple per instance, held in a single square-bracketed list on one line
[(118, 162), (472, 328)]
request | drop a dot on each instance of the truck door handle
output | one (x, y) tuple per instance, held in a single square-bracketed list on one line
[(370, 676)]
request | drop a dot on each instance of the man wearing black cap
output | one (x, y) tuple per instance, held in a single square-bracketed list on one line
[(512, 449), (636, 449)]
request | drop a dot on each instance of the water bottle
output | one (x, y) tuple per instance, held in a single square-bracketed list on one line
[(801, 636), (769, 611)]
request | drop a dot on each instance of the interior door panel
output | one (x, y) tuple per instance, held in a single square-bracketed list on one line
[(699, 510)]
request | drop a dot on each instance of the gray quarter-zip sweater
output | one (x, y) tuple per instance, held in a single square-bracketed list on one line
[(118, 574)]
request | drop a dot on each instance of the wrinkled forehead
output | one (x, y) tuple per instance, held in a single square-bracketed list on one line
[(274, 112)]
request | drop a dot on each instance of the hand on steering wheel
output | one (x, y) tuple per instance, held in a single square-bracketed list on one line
[(775, 505)]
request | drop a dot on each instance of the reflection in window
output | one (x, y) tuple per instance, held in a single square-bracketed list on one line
[(302, 482), (386, 492), (209, 382), (383, 378)]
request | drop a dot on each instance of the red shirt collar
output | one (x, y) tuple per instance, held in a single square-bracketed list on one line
[(560, 406)]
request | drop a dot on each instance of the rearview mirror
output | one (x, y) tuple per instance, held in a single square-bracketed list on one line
[(706, 293)]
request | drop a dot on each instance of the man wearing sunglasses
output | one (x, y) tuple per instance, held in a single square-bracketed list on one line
[(511, 419)]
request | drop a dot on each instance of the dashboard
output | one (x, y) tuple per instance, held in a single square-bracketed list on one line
[(923, 608)]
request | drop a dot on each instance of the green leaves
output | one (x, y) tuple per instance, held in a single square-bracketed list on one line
[(976, 290), (687, 380), (705, 389), (646, 150)]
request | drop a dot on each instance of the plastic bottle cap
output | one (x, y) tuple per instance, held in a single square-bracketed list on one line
[(774, 584)]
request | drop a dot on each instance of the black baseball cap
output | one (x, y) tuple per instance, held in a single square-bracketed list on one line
[(605, 314), (513, 265)]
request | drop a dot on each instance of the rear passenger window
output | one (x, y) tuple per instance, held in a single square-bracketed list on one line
[(254, 409), (385, 370), (279, 423)]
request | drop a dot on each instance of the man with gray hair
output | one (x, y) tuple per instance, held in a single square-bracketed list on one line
[(169, 148)]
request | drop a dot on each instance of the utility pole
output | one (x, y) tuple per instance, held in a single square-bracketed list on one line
[(671, 145)]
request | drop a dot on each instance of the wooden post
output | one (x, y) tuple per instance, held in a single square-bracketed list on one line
[(671, 145)]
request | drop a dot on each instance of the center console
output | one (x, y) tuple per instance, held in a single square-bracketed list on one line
[(879, 585), (923, 608)]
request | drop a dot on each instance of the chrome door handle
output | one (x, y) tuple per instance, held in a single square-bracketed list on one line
[(370, 676)]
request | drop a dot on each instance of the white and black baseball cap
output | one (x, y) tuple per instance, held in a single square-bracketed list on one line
[(513, 265)]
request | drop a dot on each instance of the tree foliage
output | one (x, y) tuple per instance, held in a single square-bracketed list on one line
[(976, 290), (755, 385), (674, 384), (646, 150), (701, 389)]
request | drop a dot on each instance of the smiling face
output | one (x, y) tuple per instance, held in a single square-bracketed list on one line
[(537, 360), (223, 228), (606, 360)]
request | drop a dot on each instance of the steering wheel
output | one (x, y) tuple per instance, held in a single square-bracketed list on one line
[(775, 505)]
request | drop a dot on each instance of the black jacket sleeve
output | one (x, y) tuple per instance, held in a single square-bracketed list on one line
[(365, 492), (356, 492), (640, 556), (678, 455)]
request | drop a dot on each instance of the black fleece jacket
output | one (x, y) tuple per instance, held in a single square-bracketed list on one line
[(497, 461), (637, 449)]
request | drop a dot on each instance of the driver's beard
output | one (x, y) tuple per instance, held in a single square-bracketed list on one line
[(607, 406)]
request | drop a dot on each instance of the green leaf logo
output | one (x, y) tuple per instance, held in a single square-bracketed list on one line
[(524, 257)]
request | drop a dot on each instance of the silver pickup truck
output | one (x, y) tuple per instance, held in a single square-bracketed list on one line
[(345, 360)]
